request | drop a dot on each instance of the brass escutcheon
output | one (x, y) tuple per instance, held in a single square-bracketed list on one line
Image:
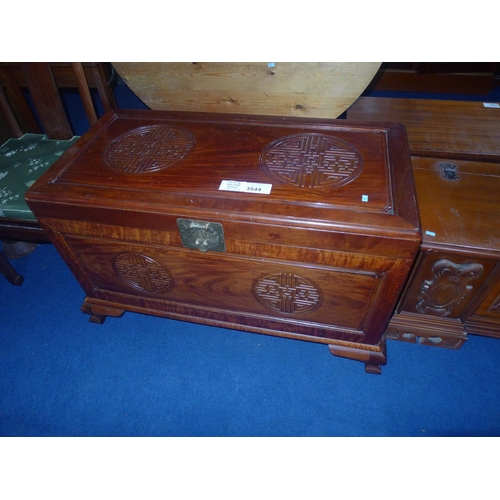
[(201, 235)]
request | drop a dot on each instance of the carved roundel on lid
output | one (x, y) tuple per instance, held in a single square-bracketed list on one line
[(148, 149), (312, 160)]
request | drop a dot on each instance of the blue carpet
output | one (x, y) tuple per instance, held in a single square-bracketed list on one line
[(61, 375)]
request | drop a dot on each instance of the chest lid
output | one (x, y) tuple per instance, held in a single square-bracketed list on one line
[(313, 172), (459, 204)]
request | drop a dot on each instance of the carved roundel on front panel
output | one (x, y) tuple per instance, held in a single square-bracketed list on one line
[(312, 160), (287, 292), (143, 272), (148, 149)]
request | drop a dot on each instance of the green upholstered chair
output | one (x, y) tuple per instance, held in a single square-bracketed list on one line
[(22, 161), (39, 139)]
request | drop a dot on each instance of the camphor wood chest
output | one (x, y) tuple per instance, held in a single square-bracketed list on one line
[(305, 229), (454, 289)]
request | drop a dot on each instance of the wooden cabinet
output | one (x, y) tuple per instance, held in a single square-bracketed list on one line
[(300, 228), (455, 286)]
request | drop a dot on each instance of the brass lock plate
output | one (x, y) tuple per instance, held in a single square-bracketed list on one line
[(201, 235)]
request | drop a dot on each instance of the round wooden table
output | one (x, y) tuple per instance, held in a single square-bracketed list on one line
[(322, 90)]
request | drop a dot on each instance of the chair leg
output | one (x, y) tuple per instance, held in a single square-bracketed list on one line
[(9, 272)]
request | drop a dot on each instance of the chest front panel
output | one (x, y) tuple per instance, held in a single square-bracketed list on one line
[(310, 292)]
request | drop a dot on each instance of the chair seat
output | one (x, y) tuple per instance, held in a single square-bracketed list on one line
[(22, 162)]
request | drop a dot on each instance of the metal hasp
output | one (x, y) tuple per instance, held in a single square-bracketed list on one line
[(201, 235)]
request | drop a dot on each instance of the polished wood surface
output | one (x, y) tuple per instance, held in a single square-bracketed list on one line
[(282, 88), (453, 289), (229, 148), (455, 285), (458, 202), (323, 257), (447, 129)]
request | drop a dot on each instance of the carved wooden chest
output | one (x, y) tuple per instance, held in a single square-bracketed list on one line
[(300, 228), (455, 286)]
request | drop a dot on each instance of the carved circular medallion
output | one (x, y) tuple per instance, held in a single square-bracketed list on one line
[(148, 149), (312, 160), (287, 293), (143, 272)]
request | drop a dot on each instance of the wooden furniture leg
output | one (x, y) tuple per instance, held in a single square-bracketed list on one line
[(372, 356), (98, 314), (9, 272)]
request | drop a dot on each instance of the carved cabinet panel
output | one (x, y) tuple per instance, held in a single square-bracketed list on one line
[(444, 290), (445, 285), (455, 284)]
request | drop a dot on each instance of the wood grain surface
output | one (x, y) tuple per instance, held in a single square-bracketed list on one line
[(447, 129), (455, 286), (458, 204), (285, 89)]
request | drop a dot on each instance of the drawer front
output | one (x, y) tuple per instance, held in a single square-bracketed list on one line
[(445, 285), (298, 294)]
